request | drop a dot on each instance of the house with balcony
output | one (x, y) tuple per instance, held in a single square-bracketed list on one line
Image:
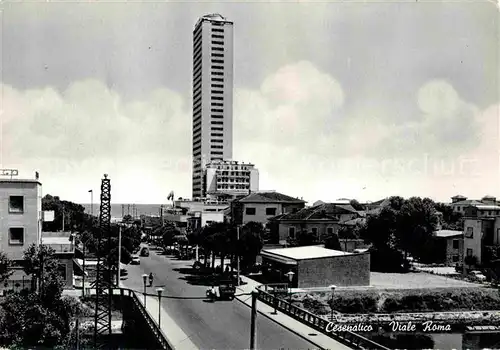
[(261, 206), (320, 220), (481, 229), (63, 245)]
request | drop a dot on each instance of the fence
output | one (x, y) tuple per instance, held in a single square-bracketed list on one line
[(348, 338)]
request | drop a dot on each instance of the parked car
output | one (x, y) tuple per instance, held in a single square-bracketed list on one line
[(478, 275), (136, 260)]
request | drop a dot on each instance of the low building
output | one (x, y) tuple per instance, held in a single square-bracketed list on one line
[(316, 266), (321, 220), (450, 246), (229, 178), (201, 205), (460, 203), (261, 206), (20, 216), (481, 229), (200, 219), (63, 245)]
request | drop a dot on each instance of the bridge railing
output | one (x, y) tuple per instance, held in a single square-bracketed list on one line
[(152, 323), (316, 322)]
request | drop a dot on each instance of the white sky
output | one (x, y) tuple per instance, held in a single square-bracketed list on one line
[(332, 99)]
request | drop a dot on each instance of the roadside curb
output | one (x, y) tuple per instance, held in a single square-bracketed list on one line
[(286, 327)]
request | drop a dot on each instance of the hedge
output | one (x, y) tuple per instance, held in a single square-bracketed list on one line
[(422, 300)]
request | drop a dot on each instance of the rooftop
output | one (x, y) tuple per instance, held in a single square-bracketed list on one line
[(302, 253), (321, 211), (487, 207), (447, 233), (269, 197), (4, 180)]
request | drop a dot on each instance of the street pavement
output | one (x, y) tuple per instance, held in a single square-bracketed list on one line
[(208, 325)]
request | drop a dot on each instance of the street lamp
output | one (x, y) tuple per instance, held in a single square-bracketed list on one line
[(290, 278), (144, 279), (159, 291), (332, 288)]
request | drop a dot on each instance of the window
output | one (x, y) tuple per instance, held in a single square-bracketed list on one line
[(469, 252), (455, 243), (16, 204), (16, 236), (329, 230), (291, 232), (250, 211), (454, 258), (314, 231), (469, 233), (271, 211)]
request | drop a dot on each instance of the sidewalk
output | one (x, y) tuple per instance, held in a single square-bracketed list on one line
[(172, 332), (318, 339)]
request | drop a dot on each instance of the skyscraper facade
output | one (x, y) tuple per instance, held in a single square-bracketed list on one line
[(212, 95)]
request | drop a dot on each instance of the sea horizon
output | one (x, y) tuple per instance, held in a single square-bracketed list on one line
[(119, 210)]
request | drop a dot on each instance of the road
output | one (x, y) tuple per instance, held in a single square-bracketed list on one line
[(219, 325)]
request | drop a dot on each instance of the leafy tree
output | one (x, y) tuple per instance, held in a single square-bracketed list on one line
[(74, 215), (5, 267), (305, 238), (38, 318), (332, 242), (356, 205), (251, 243), (416, 223), (127, 218), (451, 220)]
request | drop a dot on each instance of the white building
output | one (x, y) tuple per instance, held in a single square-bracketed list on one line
[(228, 177), (212, 95), (20, 216)]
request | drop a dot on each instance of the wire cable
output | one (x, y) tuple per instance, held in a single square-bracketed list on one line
[(176, 297)]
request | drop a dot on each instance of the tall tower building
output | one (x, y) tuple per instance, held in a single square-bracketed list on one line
[(212, 95)]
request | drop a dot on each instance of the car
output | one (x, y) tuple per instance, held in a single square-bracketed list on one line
[(478, 275), (136, 260), (144, 251)]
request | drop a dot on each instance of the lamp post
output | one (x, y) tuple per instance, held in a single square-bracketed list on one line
[(332, 288), (144, 280), (159, 291), (119, 255), (290, 278)]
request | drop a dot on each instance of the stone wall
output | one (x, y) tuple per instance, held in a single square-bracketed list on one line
[(346, 270)]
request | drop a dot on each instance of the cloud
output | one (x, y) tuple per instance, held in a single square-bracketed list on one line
[(296, 127), (89, 120)]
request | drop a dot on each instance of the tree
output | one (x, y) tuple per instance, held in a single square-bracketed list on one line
[(356, 205), (42, 265), (36, 318), (305, 238), (251, 243), (451, 220), (5, 267), (416, 223), (75, 218), (332, 242)]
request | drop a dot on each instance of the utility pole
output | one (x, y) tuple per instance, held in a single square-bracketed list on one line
[(238, 254), (63, 217), (253, 319), (119, 255)]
